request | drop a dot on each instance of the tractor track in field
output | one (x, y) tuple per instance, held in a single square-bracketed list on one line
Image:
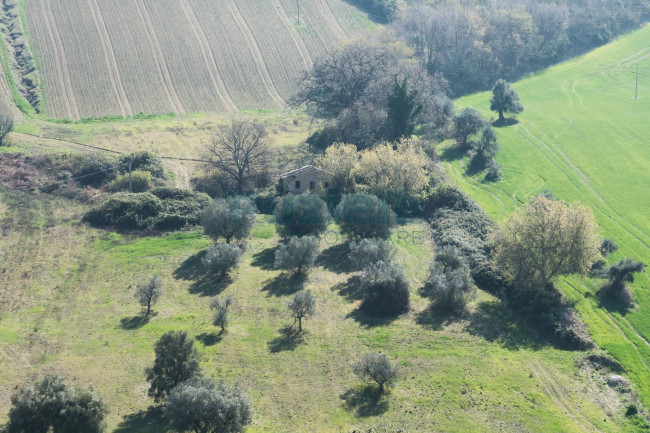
[(561, 398), (258, 58), (331, 20), (60, 60), (208, 56), (109, 56), (300, 44), (159, 57)]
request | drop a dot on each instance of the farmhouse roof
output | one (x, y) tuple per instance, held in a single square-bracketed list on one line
[(298, 170)]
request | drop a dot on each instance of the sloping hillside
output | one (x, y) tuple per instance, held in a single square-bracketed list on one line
[(104, 57), (584, 137)]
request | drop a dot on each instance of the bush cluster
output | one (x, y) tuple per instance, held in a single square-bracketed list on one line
[(147, 211), (140, 182), (369, 251)]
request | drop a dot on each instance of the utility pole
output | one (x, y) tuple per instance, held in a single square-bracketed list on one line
[(636, 87), (130, 184), (298, 5)]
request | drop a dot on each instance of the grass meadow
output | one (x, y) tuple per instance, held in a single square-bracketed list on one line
[(66, 306), (585, 138)]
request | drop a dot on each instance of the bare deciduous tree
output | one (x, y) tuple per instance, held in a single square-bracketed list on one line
[(238, 149)]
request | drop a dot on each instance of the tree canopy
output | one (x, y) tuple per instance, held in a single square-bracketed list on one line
[(177, 360), (231, 218), (375, 367), (364, 216), (301, 215), (149, 293), (505, 99)]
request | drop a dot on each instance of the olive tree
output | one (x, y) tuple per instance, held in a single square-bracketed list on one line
[(50, 404), (231, 218), (449, 284), (221, 258), (203, 406), (369, 251), (6, 126), (505, 99), (386, 289), (298, 255), (221, 307), (364, 216), (302, 305), (542, 240), (375, 367), (301, 215), (177, 360), (149, 293)]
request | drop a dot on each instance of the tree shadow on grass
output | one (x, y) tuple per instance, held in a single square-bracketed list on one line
[(350, 290), (609, 302), (453, 153), (335, 259), (509, 121), (435, 318), (135, 322), (364, 401), (265, 259), (192, 268), (285, 284), (145, 421), (210, 338), (370, 321), (210, 284), (494, 322), (288, 340)]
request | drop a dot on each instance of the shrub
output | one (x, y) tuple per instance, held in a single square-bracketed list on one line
[(221, 258), (449, 197), (93, 170), (140, 182), (6, 126), (608, 246), (364, 216), (216, 185), (619, 274), (450, 289), (202, 405), (126, 211), (301, 215), (324, 138), (386, 289), (231, 218), (142, 161), (494, 172), (298, 255), (370, 251), (177, 361), (52, 405), (375, 367)]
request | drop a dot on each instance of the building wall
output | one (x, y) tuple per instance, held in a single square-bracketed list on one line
[(304, 177)]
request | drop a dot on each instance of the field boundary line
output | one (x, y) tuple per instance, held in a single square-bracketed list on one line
[(60, 61), (330, 18), (208, 56), (159, 58), (304, 52), (258, 59), (109, 56)]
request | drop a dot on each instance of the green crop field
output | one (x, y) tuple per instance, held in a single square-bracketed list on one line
[(103, 58), (583, 137)]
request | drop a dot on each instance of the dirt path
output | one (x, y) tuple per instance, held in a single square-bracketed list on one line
[(257, 54), (60, 60), (109, 57), (561, 398), (300, 44), (160, 58), (208, 57)]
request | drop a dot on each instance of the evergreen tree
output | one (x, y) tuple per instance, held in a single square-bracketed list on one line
[(505, 99), (403, 108)]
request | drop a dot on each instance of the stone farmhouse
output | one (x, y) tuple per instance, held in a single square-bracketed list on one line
[(304, 179)]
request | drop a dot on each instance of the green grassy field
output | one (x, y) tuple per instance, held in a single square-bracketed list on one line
[(583, 137), (66, 306)]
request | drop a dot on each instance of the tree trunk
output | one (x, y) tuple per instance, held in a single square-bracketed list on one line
[(381, 388), (501, 118), (299, 324), (148, 307)]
